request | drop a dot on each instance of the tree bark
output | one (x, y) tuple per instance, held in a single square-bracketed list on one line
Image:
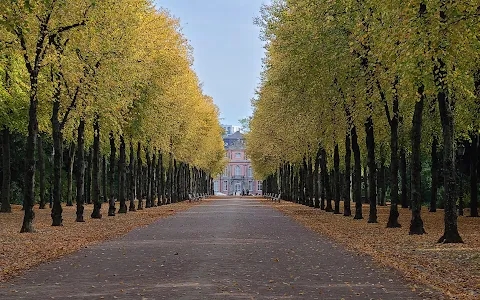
[(71, 162), (446, 107), (393, 216), (169, 186), (57, 219), (104, 180), (365, 183), (148, 179), (357, 176), (315, 179), (160, 179), (336, 162), (416, 224), (326, 180), (175, 182), (403, 171), (30, 162), (88, 180), (347, 211), (303, 181), (97, 203), (474, 177), (139, 178), (80, 169), (474, 160), (372, 197), (41, 171), (451, 234), (6, 176), (434, 171), (113, 150), (132, 179), (121, 176), (153, 179), (310, 195), (383, 184)]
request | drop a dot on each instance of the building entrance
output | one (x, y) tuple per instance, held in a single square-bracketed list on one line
[(238, 189)]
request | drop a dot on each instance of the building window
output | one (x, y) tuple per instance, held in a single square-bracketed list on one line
[(216, 186), (238, 155), (259, 186), (238, 171), (250, 186), (225, 172), (250, 174), (225, 185)]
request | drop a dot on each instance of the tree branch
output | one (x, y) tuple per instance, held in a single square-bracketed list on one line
[(23, 44), (385, 103)]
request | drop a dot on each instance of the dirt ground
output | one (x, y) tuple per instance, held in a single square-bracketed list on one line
[(21, 251), (453, 269)]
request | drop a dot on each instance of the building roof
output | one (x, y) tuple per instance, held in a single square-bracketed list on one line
[(235, 141), (235, 136)]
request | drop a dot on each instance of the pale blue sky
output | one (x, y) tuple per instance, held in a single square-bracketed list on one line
[(227, 49)]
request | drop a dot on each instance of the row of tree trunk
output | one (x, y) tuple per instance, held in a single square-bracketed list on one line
[(101, 179), (311, 183)]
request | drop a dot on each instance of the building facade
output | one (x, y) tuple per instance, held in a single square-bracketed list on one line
[(237, 178)]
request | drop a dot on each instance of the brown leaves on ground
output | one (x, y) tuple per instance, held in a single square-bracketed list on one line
[(21, 251), (452, 269)]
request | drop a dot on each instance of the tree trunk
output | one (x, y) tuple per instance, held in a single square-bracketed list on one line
[(6, 176), (347, 211), (474, 159), (80, 169), (41, 171), (57, 219), (474, 177), (132, 179), (153, 179), (175, 182), (71, 162), (309, 183), (88, 181), (322, 180), (121, 176), (160, 179), (97, 203), (383, 184), (434, 171), (170, 179), (148, 180), (303, 181), (336, 162), (451, 234), (104, 180), (357, 176), (372, 197), (113, 151), (139, 177), (315, 179), (403, 171), (30, 162), (393, 216), (365, 183), (416, 224)]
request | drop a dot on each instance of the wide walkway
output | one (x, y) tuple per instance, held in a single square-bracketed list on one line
[(222, 249)]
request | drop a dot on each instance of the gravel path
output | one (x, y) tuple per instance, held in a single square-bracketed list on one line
[(223, 249)]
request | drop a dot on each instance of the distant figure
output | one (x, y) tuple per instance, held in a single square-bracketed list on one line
[(243, 192), (248, 192)]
